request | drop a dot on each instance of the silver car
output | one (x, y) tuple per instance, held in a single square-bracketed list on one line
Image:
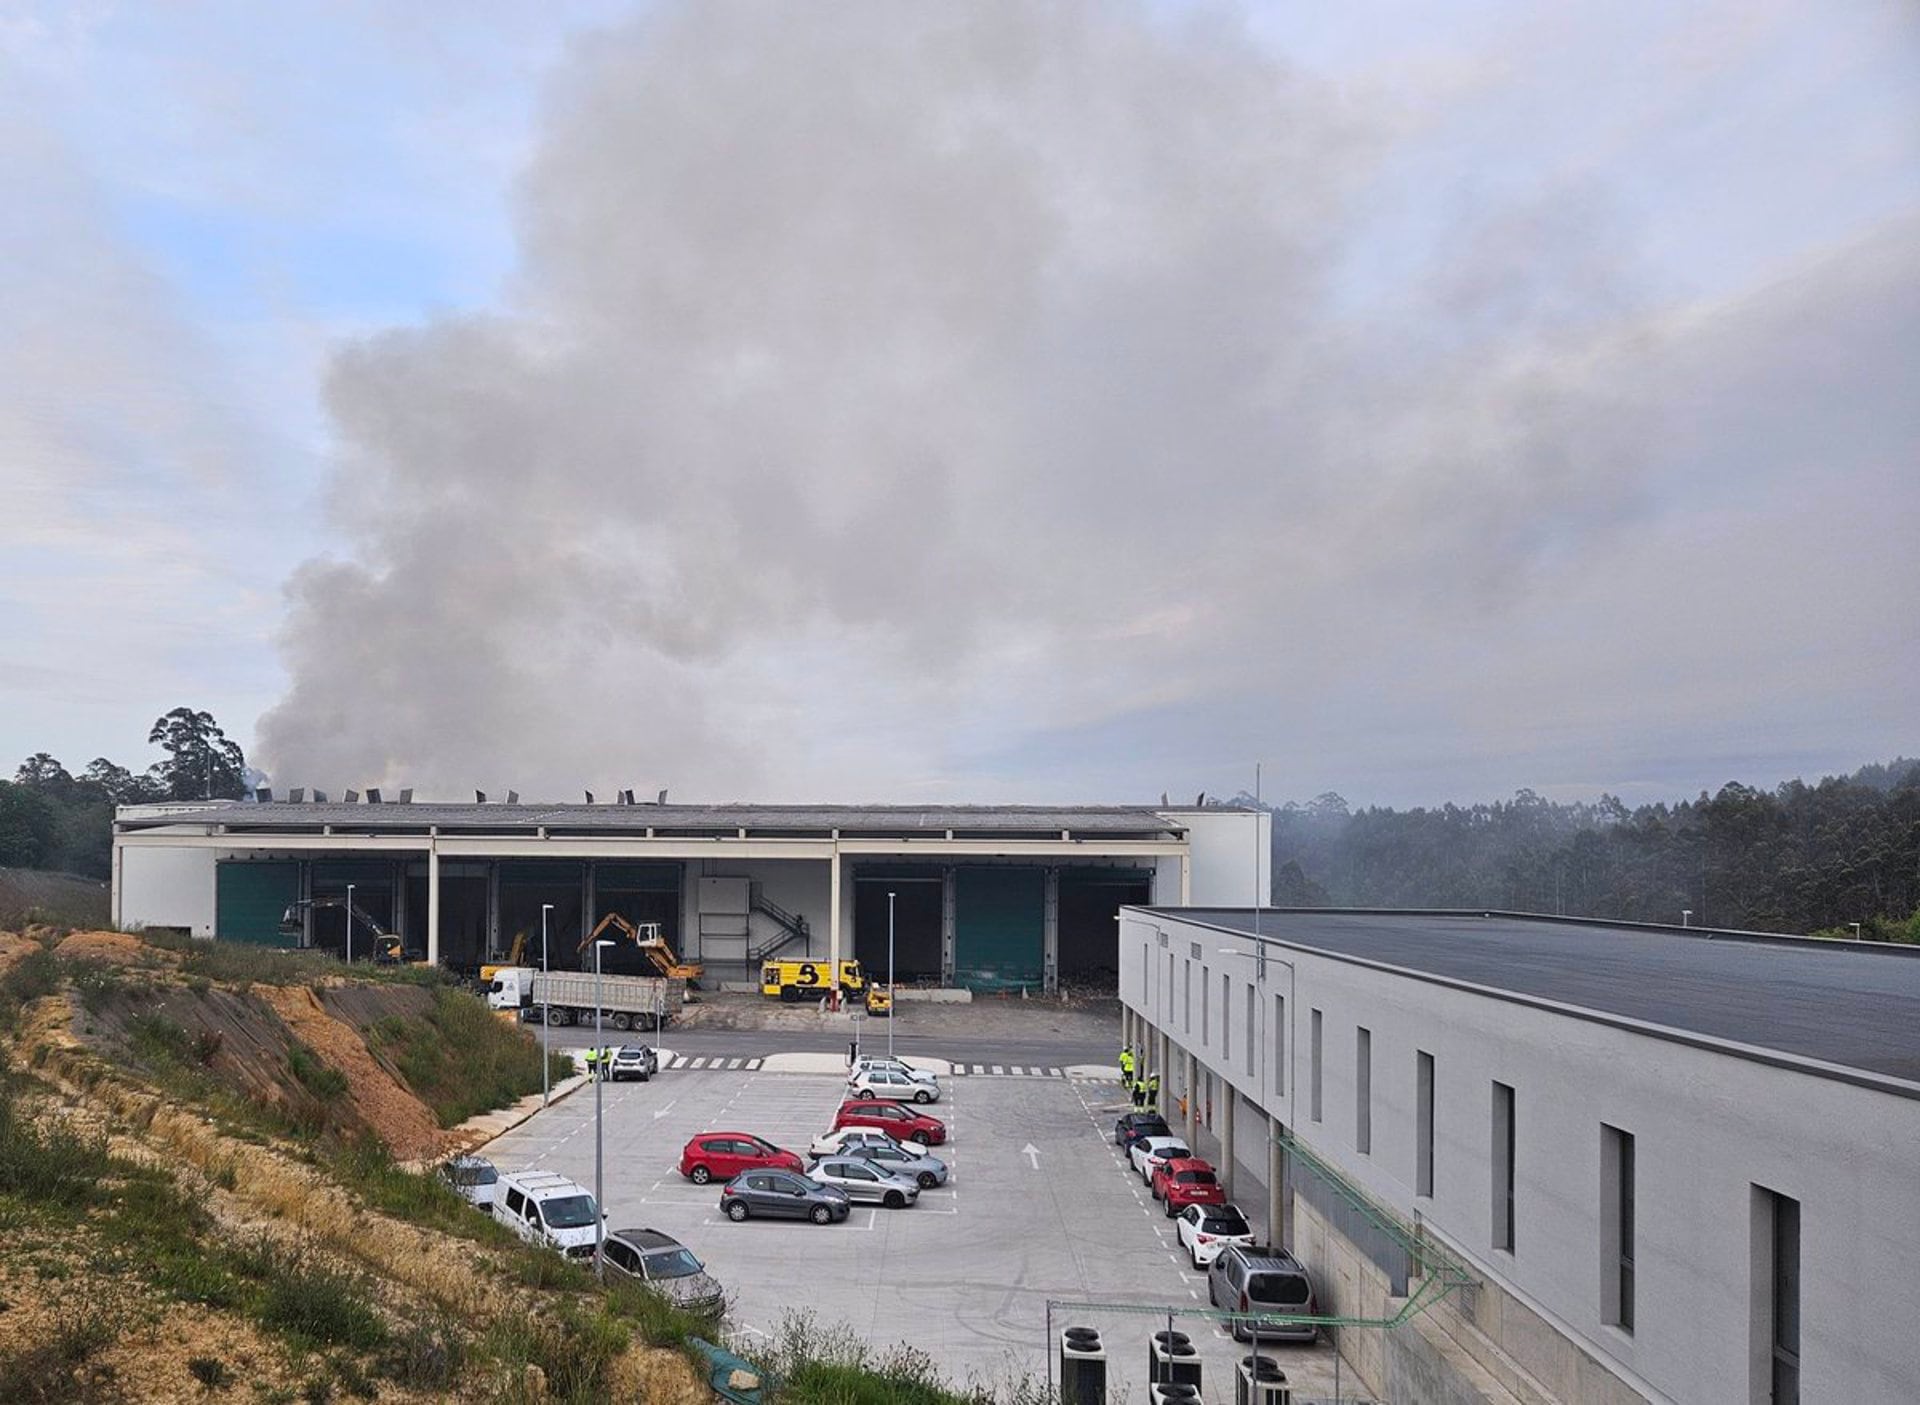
[(903, 1161), (866, 1183)]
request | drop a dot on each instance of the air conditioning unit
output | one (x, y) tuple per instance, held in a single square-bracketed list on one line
[(1260, 1381), (1173, 1358), (1173, 1393), (1083, 1367)]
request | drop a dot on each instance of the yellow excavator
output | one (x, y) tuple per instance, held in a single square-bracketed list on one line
[(647, 939), (387, 947), (515, 954)]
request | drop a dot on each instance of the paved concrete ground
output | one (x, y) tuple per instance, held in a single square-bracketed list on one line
[(965, 1275)]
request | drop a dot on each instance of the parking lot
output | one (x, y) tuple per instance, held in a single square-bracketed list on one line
[(1039, 1206)]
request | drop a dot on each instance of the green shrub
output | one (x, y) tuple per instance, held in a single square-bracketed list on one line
[(460, 1059), (55, 1368), (95, 982), (572, 1347), (320, 1306), (317, 1076), (424, 1357), (158, 1041), (26, 980), (657, 1318), (210, 1371), (52, 1166)]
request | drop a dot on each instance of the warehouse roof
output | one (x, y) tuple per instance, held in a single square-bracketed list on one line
[(246, 816), (1852, 1004)]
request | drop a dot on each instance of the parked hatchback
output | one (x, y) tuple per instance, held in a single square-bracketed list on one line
[(666, 1265), (890, 1117), (1257, 1278), (867, 1061), (1207, 1231), (720, 1156), (1148, 1154), (633, 1061), (845, 1140), (924, 1171), (1187, 1181), (473, 1179), (1139, 1124), (782, 1195), (865, 1183), (891, 1083)]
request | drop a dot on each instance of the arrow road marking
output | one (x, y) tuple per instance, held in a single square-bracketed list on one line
[(1032, 1153), (664, 1111)]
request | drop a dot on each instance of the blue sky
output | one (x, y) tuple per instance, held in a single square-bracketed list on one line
[(1531, 226)]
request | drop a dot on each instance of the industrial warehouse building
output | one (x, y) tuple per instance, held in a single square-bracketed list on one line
[(1650, 1163), (989, 897)]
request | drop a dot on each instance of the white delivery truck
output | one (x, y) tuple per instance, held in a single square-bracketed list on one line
[(626, 1002)]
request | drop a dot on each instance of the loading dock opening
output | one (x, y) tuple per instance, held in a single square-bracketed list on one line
[(1090, 903), (917, 904)]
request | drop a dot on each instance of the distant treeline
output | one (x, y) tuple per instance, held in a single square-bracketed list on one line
[(53, 819), (1798, 858)]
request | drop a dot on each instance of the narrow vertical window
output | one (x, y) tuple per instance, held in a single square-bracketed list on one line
[(1206, 1009), (1314, 1055), (1252, 1067), (1423, 1123), (1502, 1161), (1616, 1227), (1363, 1091), (1186, 995), (1226, 1018), (1280, 1047), (1776, 1286)]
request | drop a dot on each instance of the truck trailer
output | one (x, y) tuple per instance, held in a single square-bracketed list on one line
[(566, 997)]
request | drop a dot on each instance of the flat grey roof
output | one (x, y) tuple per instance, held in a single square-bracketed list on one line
[(286, 816), (1855, 1005)]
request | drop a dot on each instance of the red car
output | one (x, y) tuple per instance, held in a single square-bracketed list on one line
[(1188, 1181), (901, 1123), (720, 1156)]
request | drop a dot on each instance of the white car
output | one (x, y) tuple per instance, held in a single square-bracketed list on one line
[(473, 1179), (1149, 1154), (890, 1083), (1204, 1230), (847, 1138), (867, 1061), (545, 1208)]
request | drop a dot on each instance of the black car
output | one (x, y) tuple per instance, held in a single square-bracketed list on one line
[(1135, 1125), (782, 1195), (666, 1265)]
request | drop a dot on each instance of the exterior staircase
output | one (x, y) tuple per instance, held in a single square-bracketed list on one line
[(788, 928)]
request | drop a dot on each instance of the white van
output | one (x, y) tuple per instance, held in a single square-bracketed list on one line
[(544, 1207)]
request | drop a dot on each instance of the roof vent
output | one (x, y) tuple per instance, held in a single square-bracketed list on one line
[(626, 797), (589, 797), (263, 795), (479, 797), (373, 795), (319, 797), (298, 795), (406, 796), (662, 799), (513, 797), (353, 797)]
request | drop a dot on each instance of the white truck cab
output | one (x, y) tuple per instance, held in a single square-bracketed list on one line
[(543, 1207)]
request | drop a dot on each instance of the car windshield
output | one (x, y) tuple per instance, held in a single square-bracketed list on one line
[(567, 1211), (1226, 1224), (1194, 1177), (1280, 1289), (672, 1263)]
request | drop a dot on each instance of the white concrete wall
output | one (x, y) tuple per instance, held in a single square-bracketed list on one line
[(1708, 1125), (798, 885), (165, 888), (1225, 846)]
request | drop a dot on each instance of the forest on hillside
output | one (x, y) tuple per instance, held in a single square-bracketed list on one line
[(1798, 858)]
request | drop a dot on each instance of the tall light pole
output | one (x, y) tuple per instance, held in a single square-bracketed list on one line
[(349, 924), (546, 1073), (893, 1006), (599, 1077)]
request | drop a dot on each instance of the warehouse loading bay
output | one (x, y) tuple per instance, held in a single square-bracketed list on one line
[(1040, 1206)]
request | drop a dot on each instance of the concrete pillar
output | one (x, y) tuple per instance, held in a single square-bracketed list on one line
[(433, 902), (948, 907), (1278, 1201), (495, 947), (1193, 1099), (1050, 933), (833, 925), (1186, 880), (1229, 1170)]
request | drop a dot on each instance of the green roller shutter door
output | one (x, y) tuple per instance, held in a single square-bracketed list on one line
[(999, 927), (251, 898)]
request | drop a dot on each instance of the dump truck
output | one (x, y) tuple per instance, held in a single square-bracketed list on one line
[(567, 997)]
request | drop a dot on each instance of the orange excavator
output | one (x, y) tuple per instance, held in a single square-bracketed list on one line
[(647, 939)]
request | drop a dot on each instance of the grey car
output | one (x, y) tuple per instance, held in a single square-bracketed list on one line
[(666, 1265), (904, 1161), (1258, 1278), (782, 1195), (867, 1183)]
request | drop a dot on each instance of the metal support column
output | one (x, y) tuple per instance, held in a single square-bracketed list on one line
[(1050, 932), (433, 899), (833, 924), (494, 948), (949, 908), (1279, 1202)]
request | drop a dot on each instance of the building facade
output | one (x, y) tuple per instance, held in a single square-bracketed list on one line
[(1679, 1166), (991, 897)]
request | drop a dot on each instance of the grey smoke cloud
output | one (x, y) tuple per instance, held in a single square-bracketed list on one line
[(884, 384)]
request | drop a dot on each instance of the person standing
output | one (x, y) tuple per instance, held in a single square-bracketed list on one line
[(1126, 1066), (1153, 1091)]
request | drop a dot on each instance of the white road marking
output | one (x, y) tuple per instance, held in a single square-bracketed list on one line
[(665, 1110)]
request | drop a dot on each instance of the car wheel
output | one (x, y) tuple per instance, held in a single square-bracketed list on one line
[(700, 1175), (921, 1095), (895, 1200), (736, 1210), (822, 1215), (1169, 1209), (928, 1180), (1194, 1254), (919, 1139), (645, 1077)]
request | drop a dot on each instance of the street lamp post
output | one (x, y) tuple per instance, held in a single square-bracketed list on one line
[(599, 1077), (893, 1005), (349, 915), (546, 1072)]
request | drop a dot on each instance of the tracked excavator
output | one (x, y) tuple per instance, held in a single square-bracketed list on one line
[(646, 938), (387, 947)]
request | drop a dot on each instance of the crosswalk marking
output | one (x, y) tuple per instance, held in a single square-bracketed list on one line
[(743, 1064)]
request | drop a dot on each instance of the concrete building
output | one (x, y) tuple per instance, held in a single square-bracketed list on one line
[(982, 896), (1676, 1165)]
